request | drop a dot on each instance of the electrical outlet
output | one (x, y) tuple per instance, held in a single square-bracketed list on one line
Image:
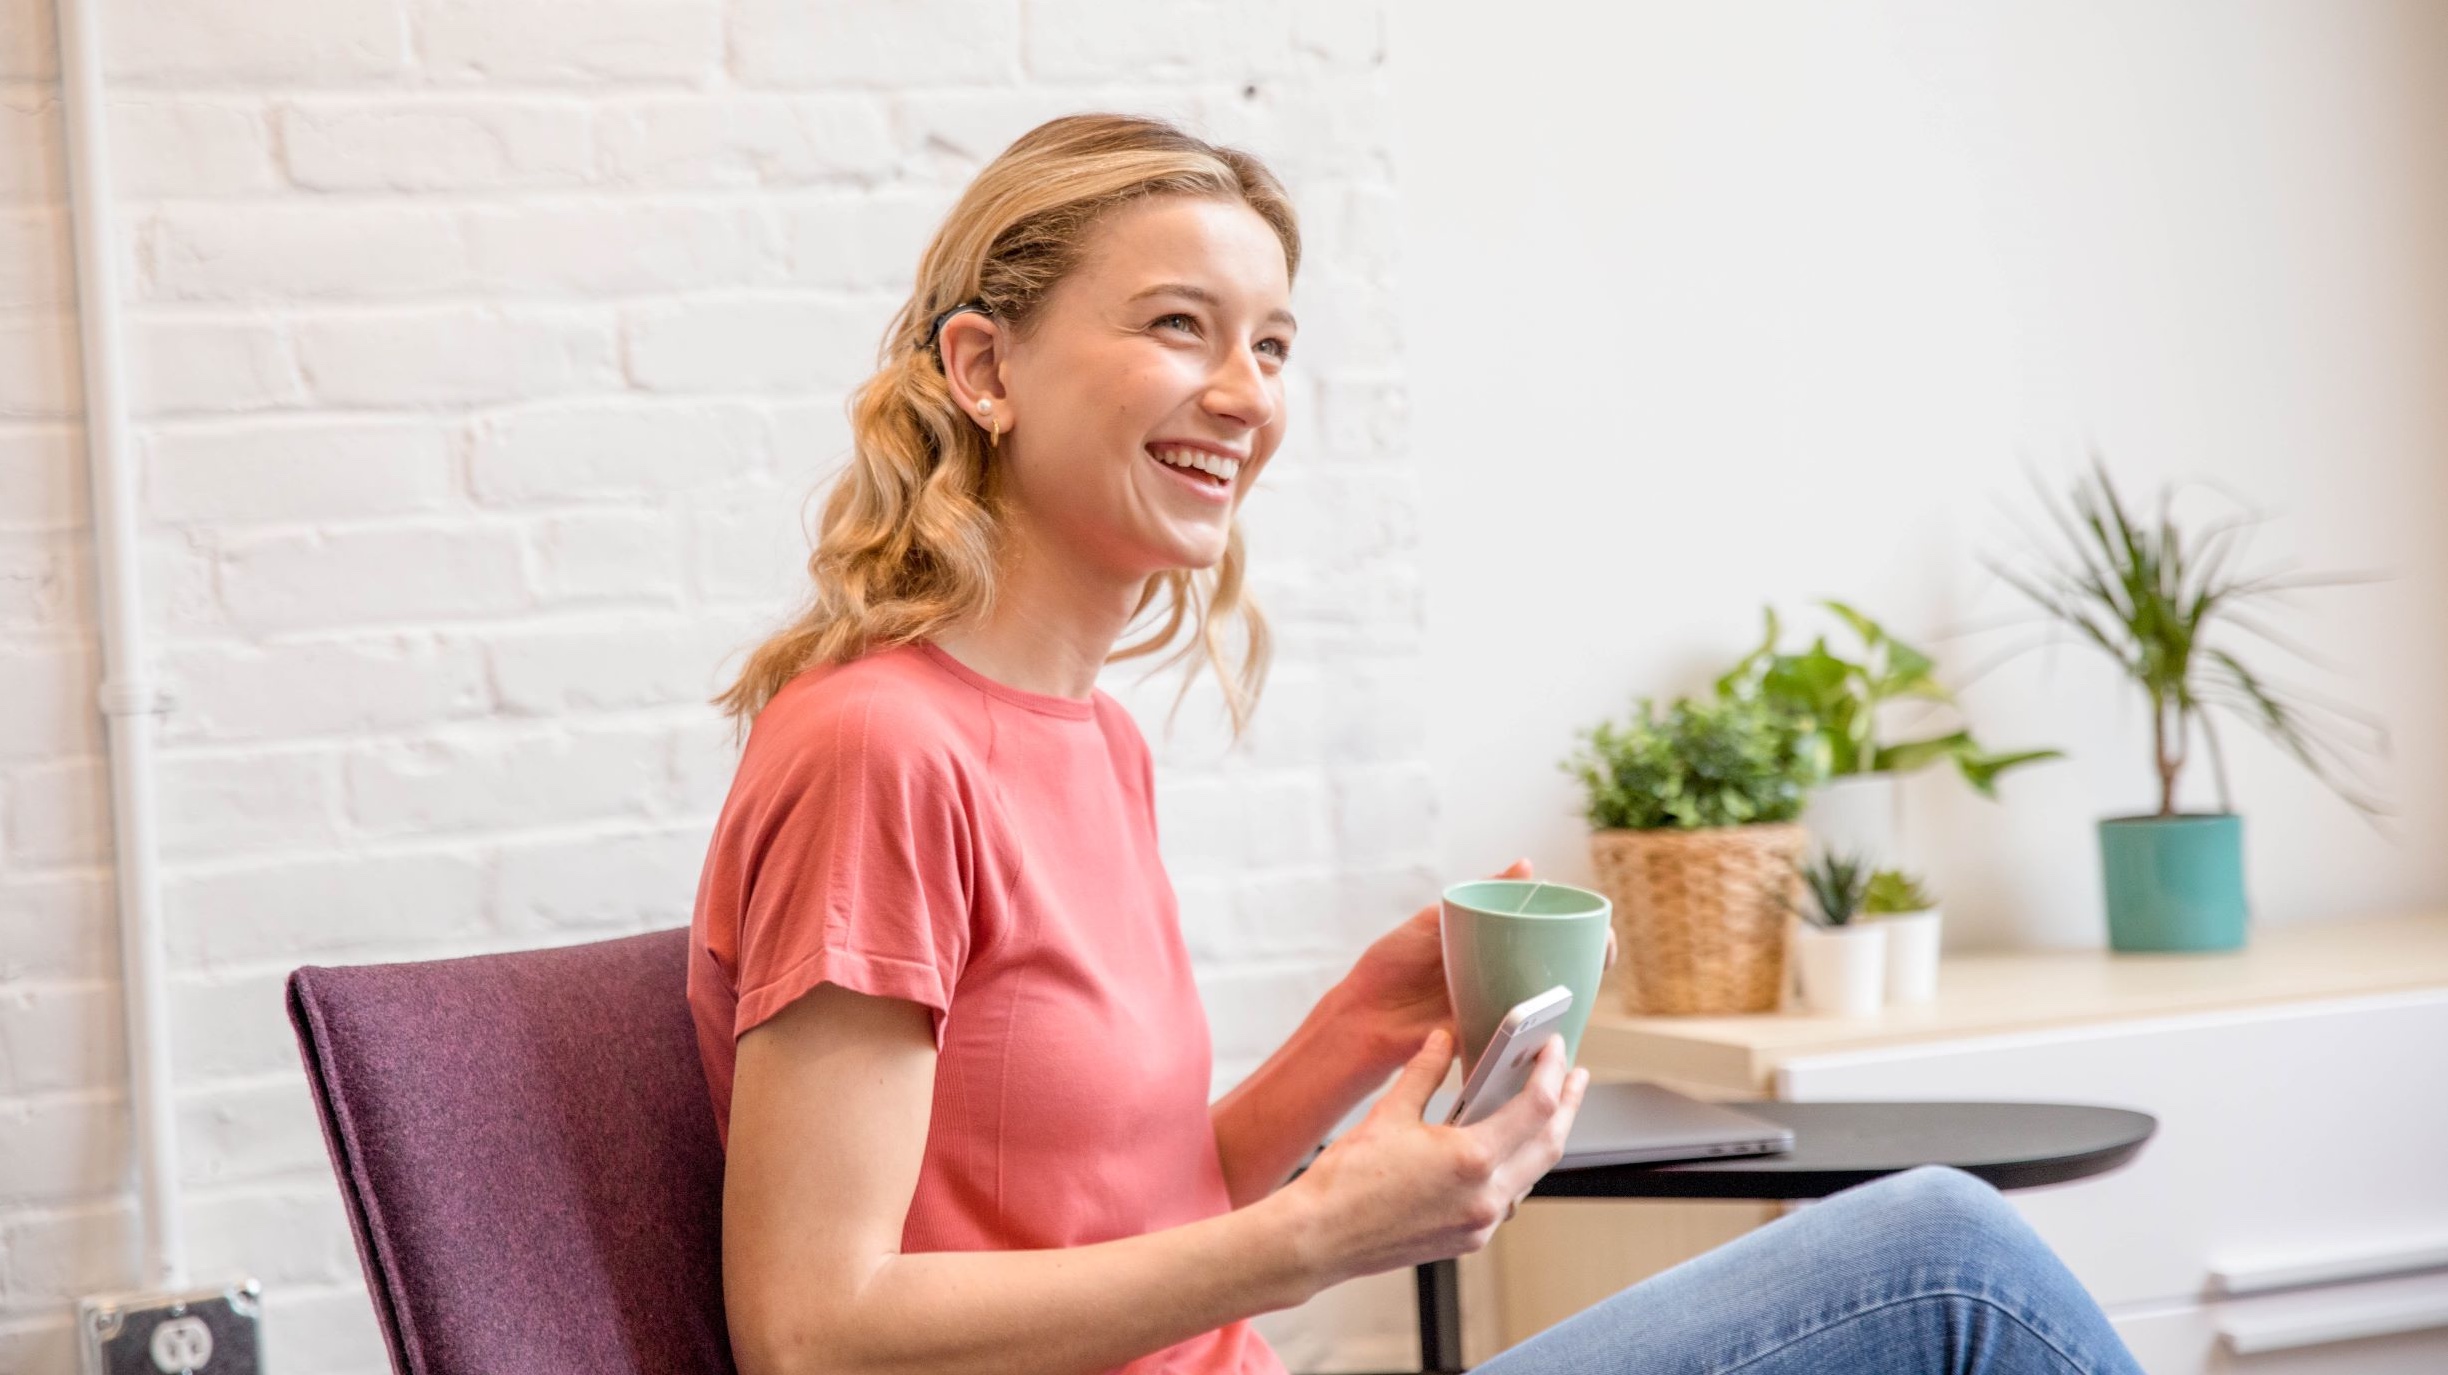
[(197, 1332)]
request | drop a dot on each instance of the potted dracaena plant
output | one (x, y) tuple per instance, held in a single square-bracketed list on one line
[(1842, 959), (2163, 599), (1843, 696), (1693, 839)]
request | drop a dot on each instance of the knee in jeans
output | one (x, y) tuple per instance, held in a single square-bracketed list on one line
[(1946, 1187), (1954, 1216)]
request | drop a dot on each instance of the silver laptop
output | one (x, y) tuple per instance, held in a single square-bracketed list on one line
[(1628, 1124), (1624, 1124)]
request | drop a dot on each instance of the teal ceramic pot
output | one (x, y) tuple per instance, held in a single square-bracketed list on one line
[(2174, 882)]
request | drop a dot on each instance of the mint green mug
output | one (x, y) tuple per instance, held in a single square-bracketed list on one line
[(1506, 939)]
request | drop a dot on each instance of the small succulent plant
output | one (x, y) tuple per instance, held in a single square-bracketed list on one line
[(1837, 883), (1892, 891)]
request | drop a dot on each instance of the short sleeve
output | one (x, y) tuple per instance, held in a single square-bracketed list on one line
[(859, 862)]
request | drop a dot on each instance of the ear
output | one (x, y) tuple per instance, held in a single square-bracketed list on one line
[(972, 347)]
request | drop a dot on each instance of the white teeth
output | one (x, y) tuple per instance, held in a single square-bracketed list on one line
[(1181, 457)]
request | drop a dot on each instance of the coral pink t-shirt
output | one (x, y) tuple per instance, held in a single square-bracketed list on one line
[(905, 826)]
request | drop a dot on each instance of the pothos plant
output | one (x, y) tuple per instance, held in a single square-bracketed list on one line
[(1841, 698)]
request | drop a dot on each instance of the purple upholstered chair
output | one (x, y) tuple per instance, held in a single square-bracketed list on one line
[(528, 1156)]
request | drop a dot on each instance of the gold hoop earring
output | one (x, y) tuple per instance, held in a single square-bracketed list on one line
[(995, 439)]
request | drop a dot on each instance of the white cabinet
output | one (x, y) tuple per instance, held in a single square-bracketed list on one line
[(2293, 1144), (2374, 1327), (2291, 1213)]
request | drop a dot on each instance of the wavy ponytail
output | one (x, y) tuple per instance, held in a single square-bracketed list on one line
[(910, 529)]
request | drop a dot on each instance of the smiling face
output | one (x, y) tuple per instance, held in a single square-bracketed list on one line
[(1164, 347)]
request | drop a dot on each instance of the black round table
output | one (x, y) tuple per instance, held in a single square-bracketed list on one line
[(1836, 1146)]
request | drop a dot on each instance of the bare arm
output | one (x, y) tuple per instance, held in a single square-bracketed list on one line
[(829, 1111), (1360, 1032), (829, 1119), (1271, 1120)]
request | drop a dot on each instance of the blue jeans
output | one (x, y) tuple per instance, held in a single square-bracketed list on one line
[(1930, 1270)]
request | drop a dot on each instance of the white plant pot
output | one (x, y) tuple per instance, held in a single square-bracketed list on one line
[(1789, 998), (1844, 968), (1859, 814), (1912, 956)]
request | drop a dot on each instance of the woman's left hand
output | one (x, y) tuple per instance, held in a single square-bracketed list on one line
[(1398, 985)]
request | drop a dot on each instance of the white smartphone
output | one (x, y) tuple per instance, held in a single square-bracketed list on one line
[(1510, 1056)]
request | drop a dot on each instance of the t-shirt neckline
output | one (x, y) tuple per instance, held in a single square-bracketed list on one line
[(1048, 703)]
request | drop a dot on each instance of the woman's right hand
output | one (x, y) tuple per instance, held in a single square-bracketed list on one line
[(1397, 1190)]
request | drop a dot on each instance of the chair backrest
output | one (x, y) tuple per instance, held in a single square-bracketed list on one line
[(528, 1155)]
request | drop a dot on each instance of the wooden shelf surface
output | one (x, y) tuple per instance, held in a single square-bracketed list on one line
[(1998, 992)]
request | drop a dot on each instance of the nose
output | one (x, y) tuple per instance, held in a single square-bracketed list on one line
[(1239, 390)]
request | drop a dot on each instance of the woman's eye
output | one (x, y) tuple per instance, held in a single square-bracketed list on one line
[(1283, 350), (1186, 321)]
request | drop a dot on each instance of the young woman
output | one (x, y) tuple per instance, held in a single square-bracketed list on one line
[(949, 1025)]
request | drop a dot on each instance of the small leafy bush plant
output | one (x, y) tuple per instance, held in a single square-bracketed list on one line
[(1729, 761)]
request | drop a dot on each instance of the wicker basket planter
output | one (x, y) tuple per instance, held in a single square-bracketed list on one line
[(1697, 914)]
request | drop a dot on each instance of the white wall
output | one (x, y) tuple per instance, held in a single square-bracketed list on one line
[(483, 353), (1711, 305)]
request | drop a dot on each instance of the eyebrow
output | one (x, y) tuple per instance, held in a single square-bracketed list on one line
[(1204, 297)]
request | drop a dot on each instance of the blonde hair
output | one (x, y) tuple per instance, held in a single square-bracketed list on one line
[(910, 528)]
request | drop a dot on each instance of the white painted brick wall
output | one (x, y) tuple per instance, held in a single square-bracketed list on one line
[(483, 352)]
